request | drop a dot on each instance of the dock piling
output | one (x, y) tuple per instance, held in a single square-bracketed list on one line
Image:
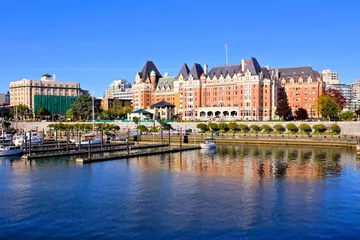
[(180, 137), (89, 149), (29, 143)]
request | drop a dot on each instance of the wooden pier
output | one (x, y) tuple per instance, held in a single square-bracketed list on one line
[(60, 152), (136, 154)]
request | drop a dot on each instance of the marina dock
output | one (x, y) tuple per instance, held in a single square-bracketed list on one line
[(136, 154)]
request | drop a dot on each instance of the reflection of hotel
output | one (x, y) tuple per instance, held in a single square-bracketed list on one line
[(249, 164), (243, 91)]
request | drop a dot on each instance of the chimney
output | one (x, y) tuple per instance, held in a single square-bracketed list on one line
[(243, 65), (54, 77), (206, 69)]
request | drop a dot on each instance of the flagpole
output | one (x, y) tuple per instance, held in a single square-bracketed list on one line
[(226, 51)]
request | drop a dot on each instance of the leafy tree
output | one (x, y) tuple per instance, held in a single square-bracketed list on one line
[(233, 126), (82, 107), (154, 129), (214, 127), (255, 128), (283, 109), (301, 114), (69, 113), (305, 128), (320, 128), (136, 120), (337, 96), (279, 128), (142, 128), (203, 127), (292, 128), (329, 108), (243, 128), (347, 116), (335, 128), (224, 127), (266, 128), (43, 112), (22, 111)]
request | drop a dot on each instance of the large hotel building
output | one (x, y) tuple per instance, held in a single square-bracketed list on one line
[(243, 91)]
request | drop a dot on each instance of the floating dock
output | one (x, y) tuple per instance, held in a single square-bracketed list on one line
[(139, 154)]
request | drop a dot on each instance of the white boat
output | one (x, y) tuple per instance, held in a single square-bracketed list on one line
[(10, 150), (5, 137), (208, 144), (19, 140), (86, 142)]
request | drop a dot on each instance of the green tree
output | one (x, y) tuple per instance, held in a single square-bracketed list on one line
[(43, 112), (347, 116), (233, 126), (243, 128), (279, 128), (214, 127), (203, 127), (255, 128), (154, 129), (22, 111), (283, 109), (69, 113), (223, 127), (327, 106), (136, 120), (320, 128), (266, 128), (335, 128), (142, 128), (305, 128), (82, 107), (292, 128)]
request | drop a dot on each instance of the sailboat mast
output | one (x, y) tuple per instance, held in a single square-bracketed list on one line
[(93, 111)]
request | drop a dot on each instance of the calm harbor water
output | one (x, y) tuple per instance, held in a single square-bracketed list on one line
[(240, 192)]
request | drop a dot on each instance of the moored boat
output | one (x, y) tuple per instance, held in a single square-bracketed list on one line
[(208, 144), (10, 150)]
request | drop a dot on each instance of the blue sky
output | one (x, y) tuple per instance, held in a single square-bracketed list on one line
[(96, 42)]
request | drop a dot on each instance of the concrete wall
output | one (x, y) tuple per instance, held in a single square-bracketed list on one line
[(348, 128)]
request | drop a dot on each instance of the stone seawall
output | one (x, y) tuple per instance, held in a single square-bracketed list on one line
[(347, 128)]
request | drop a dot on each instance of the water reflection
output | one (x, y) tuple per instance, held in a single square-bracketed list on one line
[(255, 162)]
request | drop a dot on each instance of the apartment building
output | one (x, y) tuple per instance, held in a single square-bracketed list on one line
[(120, 89), (55, 96)]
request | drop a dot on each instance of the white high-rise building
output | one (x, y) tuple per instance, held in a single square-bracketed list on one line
[(330, 77), (120, 89)]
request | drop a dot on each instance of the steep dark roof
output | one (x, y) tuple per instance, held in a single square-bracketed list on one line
[(146, 70), (265, 73), (224, 70), (184, 71), (143, 111), (297, 72), (253, 66), (162, 104), (196, 71)]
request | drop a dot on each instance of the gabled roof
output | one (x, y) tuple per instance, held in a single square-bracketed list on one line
[(162, 104), (296, 72), (146, 70), (253, 66), (143, 111), (184, 71), (265, 73), (167, 83), (196, 71), (224, 70)]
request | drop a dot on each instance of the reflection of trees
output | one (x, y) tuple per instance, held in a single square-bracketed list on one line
[(293, 155), (328, 165), (305, 156), (256, 152), (279, 155), (244, 151), (320, 156), (267, 153)]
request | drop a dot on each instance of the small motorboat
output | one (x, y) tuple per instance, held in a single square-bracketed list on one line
[(20, 140), (208, 144), (10, 150), (92, 142)]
